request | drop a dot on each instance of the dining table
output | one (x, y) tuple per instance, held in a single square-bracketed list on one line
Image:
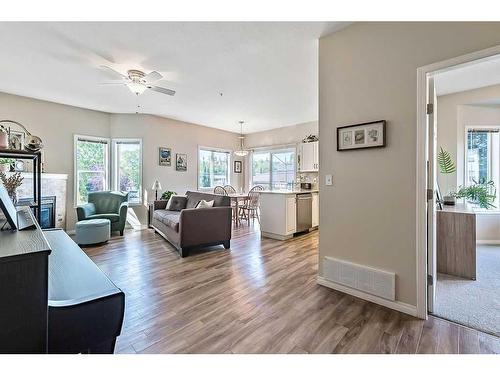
[(236, 198)]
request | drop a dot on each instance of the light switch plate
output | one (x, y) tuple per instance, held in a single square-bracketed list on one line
[(328, 180)]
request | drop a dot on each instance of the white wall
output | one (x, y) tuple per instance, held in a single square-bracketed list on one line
[(454, 114), (281, 136), (181, 137), (56, 124), (368, 71)]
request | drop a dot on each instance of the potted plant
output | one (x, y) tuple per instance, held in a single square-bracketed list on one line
[(4, 137), (5, 165), (167, 194), (481, 193), (447, 167)]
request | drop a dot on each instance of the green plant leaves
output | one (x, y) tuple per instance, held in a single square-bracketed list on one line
[(446, 164), (482, 193)]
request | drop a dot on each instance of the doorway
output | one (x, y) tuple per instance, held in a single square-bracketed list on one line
[(462, 169)]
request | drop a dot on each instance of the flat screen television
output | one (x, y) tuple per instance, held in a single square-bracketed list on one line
[(7, 207)]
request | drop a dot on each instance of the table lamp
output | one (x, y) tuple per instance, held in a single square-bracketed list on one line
[(156, 187)]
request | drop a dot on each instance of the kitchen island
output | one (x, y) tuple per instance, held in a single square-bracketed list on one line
[(286, 212)]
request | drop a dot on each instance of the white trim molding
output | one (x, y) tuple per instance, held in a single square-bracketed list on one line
[(421, 219), (395, 305), (487, 242)]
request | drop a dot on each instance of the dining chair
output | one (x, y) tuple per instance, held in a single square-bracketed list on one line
[(251, 208), (219, 190), (230, 189)]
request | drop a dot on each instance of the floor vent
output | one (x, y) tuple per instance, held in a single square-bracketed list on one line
[(370, 280)]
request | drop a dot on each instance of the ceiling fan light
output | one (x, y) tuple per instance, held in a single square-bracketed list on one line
[(241, 153), (136, 88)]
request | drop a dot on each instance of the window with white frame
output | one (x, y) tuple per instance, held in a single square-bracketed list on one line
[(274, 169), (213, 168), (482, 158), (91, 166), (127, 168)]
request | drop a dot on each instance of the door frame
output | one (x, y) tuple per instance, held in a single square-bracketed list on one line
[(421, 175)]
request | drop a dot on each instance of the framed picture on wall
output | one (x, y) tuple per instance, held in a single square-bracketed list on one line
[(165, 156), (365, 135), (237, 166), (181, 162)]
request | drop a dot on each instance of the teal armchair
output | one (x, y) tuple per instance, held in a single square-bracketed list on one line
[(111, 205)]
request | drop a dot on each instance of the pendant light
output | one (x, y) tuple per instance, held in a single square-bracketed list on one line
[(241, 151)]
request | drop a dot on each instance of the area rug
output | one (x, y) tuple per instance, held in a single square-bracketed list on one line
[(476, 303)]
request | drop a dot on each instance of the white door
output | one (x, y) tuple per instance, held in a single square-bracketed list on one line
[(431, 195), (306, 157), (316, 155)]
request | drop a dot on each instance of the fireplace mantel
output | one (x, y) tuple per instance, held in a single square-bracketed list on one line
[(53, 184)]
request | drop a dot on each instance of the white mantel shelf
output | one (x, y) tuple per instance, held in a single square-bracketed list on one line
[(47, 176)]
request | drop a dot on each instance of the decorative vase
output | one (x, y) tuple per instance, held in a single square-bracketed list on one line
[(4, 139)]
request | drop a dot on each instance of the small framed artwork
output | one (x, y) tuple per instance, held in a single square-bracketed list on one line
[(16, 140), (365, 135), (165, 156), (237, 166), (181, 162)]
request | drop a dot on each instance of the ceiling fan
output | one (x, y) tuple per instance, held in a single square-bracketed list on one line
[(138, 81)]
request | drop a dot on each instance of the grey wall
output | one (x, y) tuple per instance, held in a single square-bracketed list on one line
[(56, 124), (368, 71)]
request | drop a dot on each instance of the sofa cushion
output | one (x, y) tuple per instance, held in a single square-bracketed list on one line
[(111, 217), (193, 197), (204, 204), (169, 218), (176, 203)]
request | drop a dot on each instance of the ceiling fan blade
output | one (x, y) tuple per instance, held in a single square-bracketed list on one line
[(152, 77), (113, 83), (111, 70), (162, 90)]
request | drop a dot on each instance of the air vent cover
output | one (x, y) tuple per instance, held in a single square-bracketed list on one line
[(367, 279)]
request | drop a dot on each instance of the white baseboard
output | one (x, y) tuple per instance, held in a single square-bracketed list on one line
[(395, 305), (487, 242)]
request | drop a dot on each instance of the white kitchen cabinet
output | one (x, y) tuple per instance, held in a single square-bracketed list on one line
[(291, 214), (315, 209), (309, 157)]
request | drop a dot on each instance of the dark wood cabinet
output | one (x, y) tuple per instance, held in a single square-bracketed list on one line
[(23, 291)]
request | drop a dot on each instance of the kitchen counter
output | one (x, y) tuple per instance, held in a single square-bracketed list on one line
[(285, 212)]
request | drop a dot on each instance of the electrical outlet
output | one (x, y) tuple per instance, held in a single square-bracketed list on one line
[(328, 180)]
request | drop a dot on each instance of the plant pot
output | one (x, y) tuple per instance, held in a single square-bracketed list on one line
[(4, 140), (449, 200), (4, 168)]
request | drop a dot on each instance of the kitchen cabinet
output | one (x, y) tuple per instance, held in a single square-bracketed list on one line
[(315, 209), (291, 214), (309, 157)]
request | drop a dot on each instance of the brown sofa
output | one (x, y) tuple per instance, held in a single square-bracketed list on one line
[(192, 227)]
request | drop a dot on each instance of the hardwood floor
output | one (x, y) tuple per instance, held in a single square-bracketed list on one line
[(259, 297)]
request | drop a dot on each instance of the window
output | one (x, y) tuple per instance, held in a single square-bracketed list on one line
[(213, 168), (274, 169), (91, 166), (127, 168), (482, 155)]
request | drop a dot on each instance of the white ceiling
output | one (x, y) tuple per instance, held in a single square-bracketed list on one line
[(468, 77), (267, 72)]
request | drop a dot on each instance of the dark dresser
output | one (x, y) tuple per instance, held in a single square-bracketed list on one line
[(53, 298), (23, 291)]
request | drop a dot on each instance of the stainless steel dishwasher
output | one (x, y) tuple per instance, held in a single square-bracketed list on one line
[(304, 212)]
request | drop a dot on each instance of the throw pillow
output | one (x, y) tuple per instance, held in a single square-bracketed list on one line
[(204, 204), (176, 203)]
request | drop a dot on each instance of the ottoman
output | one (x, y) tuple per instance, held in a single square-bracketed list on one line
[(90, 232)]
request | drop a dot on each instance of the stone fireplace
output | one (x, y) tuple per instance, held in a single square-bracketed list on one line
[(54, 193)]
